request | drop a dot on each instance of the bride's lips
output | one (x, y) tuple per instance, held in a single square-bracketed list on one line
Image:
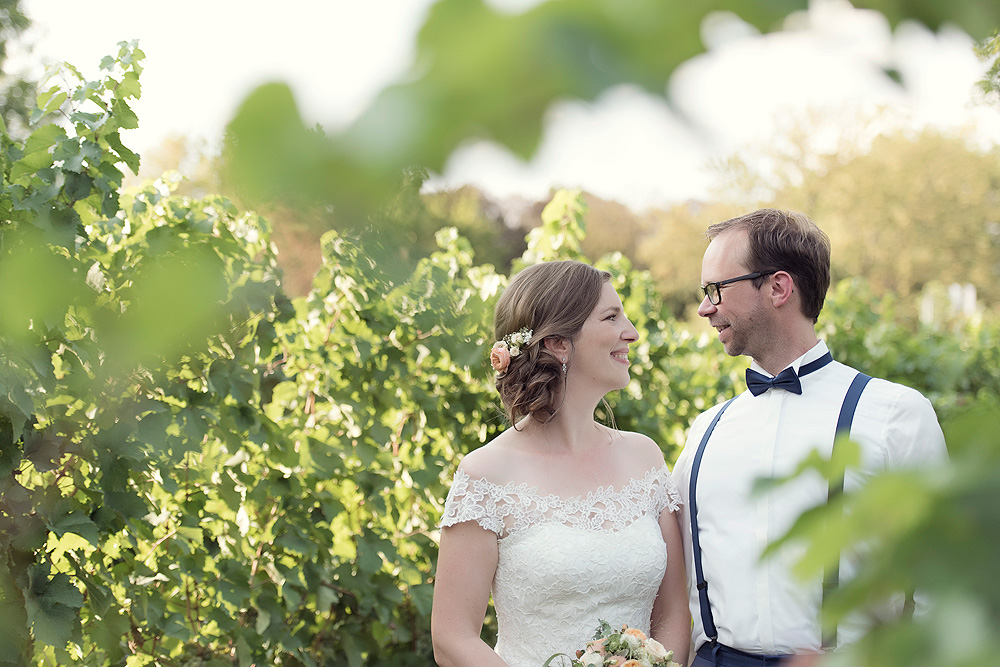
[(620, 355)]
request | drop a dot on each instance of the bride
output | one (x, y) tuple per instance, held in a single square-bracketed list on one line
[(566, 521)]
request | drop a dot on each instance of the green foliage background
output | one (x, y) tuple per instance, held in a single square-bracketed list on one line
[(196, 470)]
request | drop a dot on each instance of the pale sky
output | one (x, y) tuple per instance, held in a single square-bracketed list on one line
[(203, 58)]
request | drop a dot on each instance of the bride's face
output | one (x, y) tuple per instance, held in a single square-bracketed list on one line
[(601, 351)]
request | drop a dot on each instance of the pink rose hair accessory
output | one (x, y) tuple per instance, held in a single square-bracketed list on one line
[(509, 347)]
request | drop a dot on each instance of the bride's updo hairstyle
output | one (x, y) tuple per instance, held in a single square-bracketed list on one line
[(549, 299)]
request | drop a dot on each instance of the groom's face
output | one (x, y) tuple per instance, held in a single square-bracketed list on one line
[(741, 315)]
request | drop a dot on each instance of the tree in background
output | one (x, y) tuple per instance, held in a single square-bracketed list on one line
[(906, 211), (201, 171), (611, 227), (911, 213), (911, 210), (672, 247)]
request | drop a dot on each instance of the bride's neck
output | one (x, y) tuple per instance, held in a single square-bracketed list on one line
[(568, 431)]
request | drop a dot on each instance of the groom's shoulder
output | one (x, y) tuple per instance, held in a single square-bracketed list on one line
[(884, 393)]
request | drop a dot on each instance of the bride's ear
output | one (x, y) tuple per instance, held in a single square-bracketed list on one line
[(559, 347)]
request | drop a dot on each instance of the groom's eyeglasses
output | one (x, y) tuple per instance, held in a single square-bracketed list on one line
[(713, 290)]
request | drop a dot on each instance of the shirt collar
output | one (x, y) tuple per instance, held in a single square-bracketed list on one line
[(814, 353)]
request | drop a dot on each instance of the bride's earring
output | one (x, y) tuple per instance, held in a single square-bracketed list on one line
[(564, 366)]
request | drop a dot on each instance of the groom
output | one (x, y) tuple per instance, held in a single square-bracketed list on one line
[(764, 277)]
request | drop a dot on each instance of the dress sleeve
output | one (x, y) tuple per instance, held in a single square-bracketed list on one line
[(470, 500), (666, 495)]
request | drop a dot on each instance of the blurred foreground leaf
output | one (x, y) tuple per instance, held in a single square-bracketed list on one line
[(481, 73), (936, 532)]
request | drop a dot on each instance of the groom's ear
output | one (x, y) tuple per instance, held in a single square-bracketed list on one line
[(559, 347), (782, 287)]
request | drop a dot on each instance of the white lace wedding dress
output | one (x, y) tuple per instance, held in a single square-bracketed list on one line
[(566, 563)]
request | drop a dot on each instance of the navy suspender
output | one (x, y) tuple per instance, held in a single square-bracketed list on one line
[(831, 578), (844, 422), (706, 610)]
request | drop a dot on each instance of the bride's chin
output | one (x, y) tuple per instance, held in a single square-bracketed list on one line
[(622, 384)]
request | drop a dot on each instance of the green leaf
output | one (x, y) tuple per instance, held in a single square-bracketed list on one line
[(37, 152), (370, 549), (78, 186), (126, 155), (352, 651), (43, 139), (52, 605), (39, 287), (48, 102), (422, 596), (126, 119), (44, 449), (243, 652), (77, 522), (177, 302), (111, 634), (129, 86)]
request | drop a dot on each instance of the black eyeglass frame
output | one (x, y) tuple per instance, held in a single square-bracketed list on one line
[(717, 285)]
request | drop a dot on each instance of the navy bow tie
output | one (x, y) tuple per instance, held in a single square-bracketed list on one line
[(787, 379), (758, 383)]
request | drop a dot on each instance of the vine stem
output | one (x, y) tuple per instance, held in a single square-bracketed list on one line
[(157, 543)]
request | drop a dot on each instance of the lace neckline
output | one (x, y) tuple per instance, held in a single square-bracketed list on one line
[(599, 494), (514, 507)]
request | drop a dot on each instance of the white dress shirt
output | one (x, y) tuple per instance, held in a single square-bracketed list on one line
[(760, 606)]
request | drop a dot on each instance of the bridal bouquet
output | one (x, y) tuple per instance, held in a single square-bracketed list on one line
[(628, 647)]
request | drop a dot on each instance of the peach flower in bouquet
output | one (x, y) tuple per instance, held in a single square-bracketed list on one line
[(628, 647)]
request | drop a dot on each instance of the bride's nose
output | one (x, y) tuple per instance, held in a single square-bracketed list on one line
[(631, 334)]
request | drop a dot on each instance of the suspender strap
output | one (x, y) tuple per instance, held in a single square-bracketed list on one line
[(846, 419), (707, 621), (831, 578)]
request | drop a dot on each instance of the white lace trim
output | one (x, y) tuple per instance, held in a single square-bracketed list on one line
[(513, 508)]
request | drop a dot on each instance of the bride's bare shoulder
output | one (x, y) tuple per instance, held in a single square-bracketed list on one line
[(641, 449), (495, 460)]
